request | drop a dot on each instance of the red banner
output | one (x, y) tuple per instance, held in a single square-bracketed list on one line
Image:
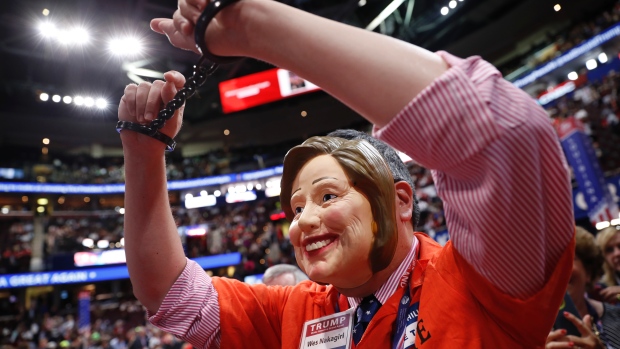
[(261, 88)]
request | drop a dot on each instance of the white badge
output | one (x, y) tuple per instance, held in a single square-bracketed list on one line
[(329, 332)]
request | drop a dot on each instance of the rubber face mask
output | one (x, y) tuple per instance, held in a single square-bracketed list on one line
[(367, 172)]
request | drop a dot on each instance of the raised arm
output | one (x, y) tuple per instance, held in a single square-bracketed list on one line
[(500, 169), (153, 248), (349, 63)]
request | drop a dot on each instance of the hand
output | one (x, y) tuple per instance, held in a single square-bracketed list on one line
[(610, 294), (588, 340), (141, 104), (180, 29)]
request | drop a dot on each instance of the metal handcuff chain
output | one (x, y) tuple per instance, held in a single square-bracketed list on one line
[(205, 67)]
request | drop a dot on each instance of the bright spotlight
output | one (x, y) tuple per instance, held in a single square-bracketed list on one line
[(602, 57), (64, 37), (591, 64), (557, 7), (125, 47), (56, 98), (79, 36), (122, 210), (101, 103), (444, 10), (89, 102), (67, 99), (573, 76), (103, 243), (44, 97), (48, 29), (217, 193), (78, 100), (46, 12), (452, 4)]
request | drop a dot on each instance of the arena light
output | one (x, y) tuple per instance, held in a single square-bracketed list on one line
[(88, 243), (79, 36), (5, 210), (46, 12), (602, 225), (101, 103), (557, 7), (591, 64), (67, 99), (45, 141), (42, 201), (103, 244), (89, 102), (602, 57), (444, 11), (44, 97), (573, 76), (128, 46), (78, 100), (217, 193), (48, 29), (389, 9), (122, 210), (452, 4), (56, 98)]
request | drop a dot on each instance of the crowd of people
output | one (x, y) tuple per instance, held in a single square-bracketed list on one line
[(597, 105), (556, 44)]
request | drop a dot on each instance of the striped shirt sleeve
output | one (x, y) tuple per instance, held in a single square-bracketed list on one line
[(499, 169), (191, 309)]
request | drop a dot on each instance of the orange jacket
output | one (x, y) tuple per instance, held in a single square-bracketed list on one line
[(458, 308)]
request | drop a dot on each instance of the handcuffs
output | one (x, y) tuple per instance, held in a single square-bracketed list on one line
[(205, 67)]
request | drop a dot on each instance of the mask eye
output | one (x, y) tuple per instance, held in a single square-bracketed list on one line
[(328, 197)]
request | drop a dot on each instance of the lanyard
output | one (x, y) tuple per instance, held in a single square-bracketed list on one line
[(403, 307), (401, 318)]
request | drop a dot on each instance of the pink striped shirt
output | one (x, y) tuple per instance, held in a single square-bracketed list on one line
[(497, 166)]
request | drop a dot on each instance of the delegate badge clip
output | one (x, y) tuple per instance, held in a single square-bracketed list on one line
[(329, 332)]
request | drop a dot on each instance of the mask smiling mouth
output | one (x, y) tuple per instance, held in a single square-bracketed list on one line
[(315, 243), (319, 244)]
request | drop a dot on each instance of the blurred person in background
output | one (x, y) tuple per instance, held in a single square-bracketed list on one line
[(283, 275), (608, 241), (598, 322), (498, 283)]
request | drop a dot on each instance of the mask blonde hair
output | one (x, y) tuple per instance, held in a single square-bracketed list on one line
[(367, 172)]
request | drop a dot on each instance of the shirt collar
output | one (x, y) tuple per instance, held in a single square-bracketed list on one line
[(390, 286)]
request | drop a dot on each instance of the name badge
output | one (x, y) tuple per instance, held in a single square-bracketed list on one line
[(329, 332)]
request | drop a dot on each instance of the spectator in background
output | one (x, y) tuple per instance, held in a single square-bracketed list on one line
[(283, 275), (600, 322), (608, 241)]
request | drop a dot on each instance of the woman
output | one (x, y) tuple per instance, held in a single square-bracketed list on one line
[(600, 327), (608, 241)]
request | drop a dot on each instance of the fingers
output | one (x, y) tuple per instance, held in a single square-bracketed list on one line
[(190, 12), (155, 22), (182, 24), (176, 38), (141, 98), (556, 335), (585, 331), (153, 101), (126, 109), (174, 82), (560, 345)]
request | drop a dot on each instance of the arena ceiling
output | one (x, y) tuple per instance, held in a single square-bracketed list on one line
[(494, 29)]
